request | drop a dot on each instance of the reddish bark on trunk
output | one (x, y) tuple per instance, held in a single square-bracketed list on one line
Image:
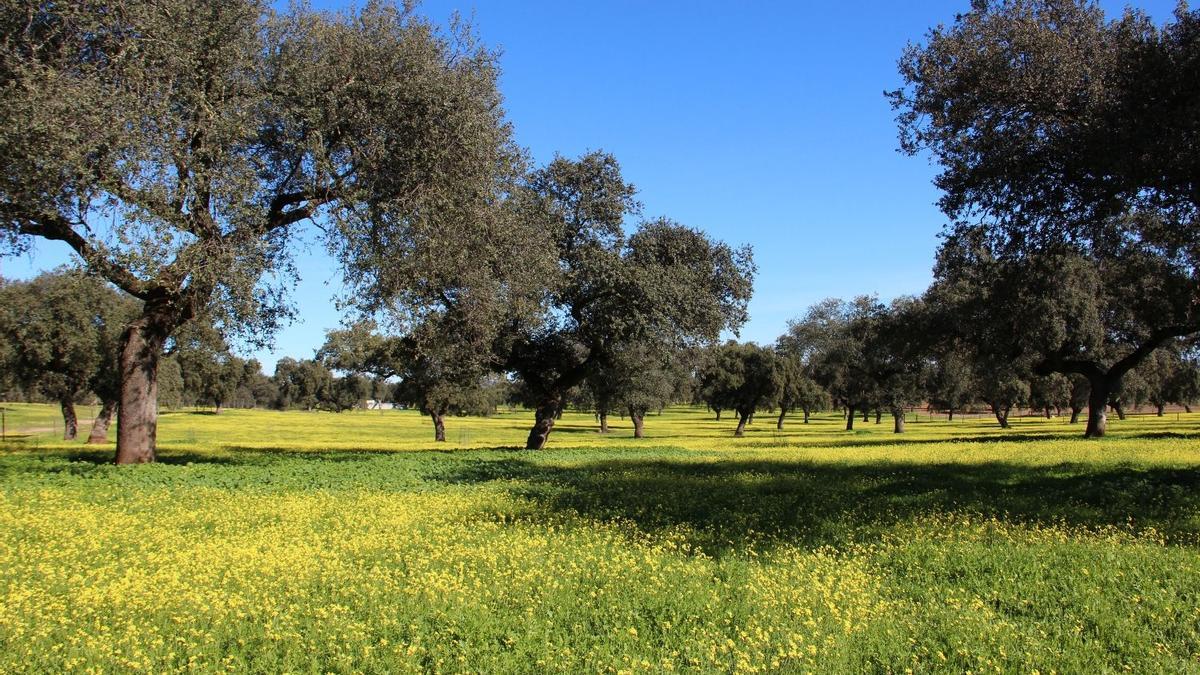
[(100, 424)]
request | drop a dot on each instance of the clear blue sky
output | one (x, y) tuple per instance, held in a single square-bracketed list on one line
[(763, 123)]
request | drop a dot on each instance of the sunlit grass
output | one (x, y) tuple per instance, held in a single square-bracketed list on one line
[(275, 542)]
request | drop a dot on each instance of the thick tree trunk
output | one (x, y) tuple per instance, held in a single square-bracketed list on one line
[(137, 407), (1048, 415), (100, 424), (542, 426), (1075, 414), (850, 418), (805, 415), (1097, 423), (718, 411), (878, 416), (1001, 413), (743, 418), (1187, 408), (1160, 407), (70, 420), (898, 420), (782, 414), (603, 421), (866, 415), (1120, 408), (218, 408), (439, 425), (638, 417)]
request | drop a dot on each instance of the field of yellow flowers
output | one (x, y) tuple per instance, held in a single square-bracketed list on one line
[(315, 542)]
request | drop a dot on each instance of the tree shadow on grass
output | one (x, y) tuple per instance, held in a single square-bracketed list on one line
[(731, 505)]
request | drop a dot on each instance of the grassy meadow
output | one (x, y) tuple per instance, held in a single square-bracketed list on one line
[(316, 542)]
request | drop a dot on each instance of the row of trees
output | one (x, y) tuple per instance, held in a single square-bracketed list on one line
[(862, 356), (177, 147)]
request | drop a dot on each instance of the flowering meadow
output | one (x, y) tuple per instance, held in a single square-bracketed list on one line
[(316, 542)]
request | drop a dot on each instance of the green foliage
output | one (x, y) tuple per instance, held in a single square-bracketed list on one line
[(1073, 234), (744, 378), (61, 332), (667, 288)]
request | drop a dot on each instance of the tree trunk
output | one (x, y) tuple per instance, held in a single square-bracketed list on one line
[(743, 418), (866, 415), (718, 411), (219, 407), (1048, 415), (1160, 408), (950, 412), (1001, 413), (439, 425), (898, 419), (70, 420), (878, 416), (1075, 414), (805, 415), (137, 408), (637, 417), (1097, 423), (1120, 408), (782, 414), (100, 425), (850, 418), (1187, 408), (542, 426), (603, 421)]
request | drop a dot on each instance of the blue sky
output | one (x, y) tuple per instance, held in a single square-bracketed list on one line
[(763, 123)]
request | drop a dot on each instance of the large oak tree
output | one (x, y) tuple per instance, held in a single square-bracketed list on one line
[(664, 288), (1067, 142), (176, 147)]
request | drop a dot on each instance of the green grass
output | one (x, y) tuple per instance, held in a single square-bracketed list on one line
[(314, 542)]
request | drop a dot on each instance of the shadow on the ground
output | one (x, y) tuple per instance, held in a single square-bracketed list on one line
[(728, 505), (719, 505)]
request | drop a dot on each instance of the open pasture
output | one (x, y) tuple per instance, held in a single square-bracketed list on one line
[(308, 542)]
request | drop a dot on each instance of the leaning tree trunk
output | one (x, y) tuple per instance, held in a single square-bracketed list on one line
[(1187, 408), (637, 416), (100, 424), (1120, 408), (898, 420), (1001, 413), (782, 414), (743, 418), (543, 424), (137, 409), (603, 421), (439, 425), (70, 420), (1075, 410), (850, 418)]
